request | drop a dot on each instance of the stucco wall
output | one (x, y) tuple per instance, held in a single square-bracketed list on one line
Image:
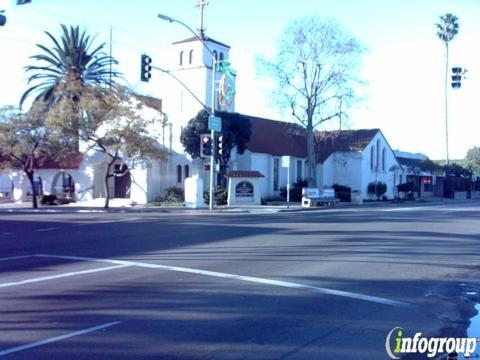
[(378, 173)]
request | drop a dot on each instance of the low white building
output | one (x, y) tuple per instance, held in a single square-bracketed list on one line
[(81, 176), (353, 158)]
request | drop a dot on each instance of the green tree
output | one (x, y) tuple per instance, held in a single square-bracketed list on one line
[(315, 73), (473, 160), (110, 123), (71, 58), (236, 130), (26, 143), (447, 29)]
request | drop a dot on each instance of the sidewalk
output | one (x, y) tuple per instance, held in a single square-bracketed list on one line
[(123, 205)]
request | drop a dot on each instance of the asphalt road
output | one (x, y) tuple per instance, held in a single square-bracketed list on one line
[(326, 284)]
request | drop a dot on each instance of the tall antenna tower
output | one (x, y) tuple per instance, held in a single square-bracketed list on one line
[(201, 4)]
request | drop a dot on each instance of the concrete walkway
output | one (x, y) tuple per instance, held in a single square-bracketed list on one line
[(124, 205)]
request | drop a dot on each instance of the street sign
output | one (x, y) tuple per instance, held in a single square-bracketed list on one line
[(215, 123)]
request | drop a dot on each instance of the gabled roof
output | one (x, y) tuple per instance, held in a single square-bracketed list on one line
[(329, 142), (69, 161), (418, 164), (204, 38), (277, 138)]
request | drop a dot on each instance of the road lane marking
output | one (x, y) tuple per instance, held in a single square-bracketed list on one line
[(286, 284), (108, 221), (58, 338), (16, 257), (59, 276), (48, 229)]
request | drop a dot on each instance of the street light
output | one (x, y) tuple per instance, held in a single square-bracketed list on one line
[(214, 68)]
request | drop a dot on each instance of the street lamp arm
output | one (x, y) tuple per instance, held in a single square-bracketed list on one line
[(185, 87), (172, 20)]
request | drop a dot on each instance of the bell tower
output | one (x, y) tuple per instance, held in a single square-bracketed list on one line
[(190, 61)]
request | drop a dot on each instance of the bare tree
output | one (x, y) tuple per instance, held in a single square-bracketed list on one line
[(315, 73)]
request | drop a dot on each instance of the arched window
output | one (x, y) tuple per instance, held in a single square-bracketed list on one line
[(179, 174), (372, 157), (384, 155), (221, 56), (190, 57), (186, 171), (378, 155), (181, 58)]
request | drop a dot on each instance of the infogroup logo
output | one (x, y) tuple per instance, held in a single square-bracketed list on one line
[(397, 344)]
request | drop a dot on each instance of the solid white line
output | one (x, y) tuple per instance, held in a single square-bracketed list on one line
[(16, 257), (58, 338), (59, 276), (286, 284), (48, 229), (82, 258), (107, 221)]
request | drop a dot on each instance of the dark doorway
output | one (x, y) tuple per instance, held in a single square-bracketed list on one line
[(122, 182)]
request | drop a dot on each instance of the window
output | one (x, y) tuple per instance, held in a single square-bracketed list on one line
[(181, 58), (215, 54), (276, 174), (400, 179), (186, 171), (179, 174), (299, 170), (221, 56), (372, 157), (377, 162), (384, 155), (190, 57)]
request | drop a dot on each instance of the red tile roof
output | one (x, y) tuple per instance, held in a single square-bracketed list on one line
[(69, 161), (150, 101), (244, 174), (277, 138), (329, 142)]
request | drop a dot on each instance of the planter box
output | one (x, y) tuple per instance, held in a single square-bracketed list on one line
[(460, 195), (475, 195)]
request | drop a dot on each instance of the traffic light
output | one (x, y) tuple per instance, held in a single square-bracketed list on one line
[(205, 145), (146, 68), (457, 77), (222, 142)]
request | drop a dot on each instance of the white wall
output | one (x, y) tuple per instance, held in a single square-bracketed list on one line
[(378, 173)]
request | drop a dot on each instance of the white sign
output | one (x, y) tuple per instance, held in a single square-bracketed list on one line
[(285, 161)]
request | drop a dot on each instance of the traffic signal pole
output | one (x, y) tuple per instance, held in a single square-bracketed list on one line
[(212, 133)]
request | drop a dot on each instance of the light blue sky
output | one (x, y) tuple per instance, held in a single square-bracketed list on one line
[(403, 66)]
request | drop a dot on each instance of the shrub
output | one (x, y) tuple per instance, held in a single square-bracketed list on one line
[(344, 193), (295, 191), (48, 200), (174, 195), (377, 188), (220, 196)]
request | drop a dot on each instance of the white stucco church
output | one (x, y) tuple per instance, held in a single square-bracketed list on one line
[(352, 158)]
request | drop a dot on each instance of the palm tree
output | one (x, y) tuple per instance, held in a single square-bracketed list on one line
[(447, 28), (69, 65)]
